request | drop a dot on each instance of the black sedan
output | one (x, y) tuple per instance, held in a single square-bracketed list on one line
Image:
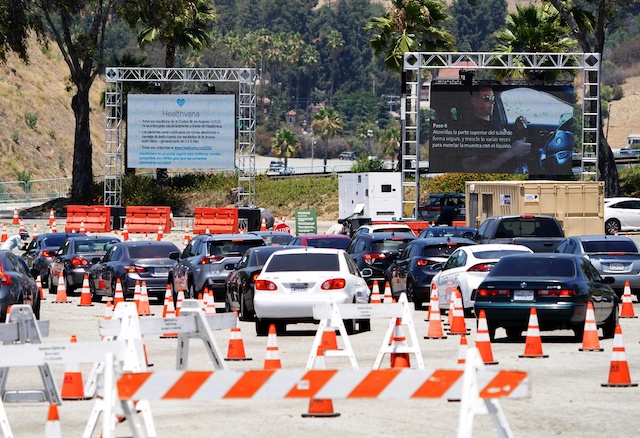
[(16, 284), (377, 251), (131, 262), (240, 282), (616, 256), (559, 286), (413, 270), (41, 251), (74, 259)]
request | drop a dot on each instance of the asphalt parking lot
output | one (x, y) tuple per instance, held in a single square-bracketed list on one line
[(566, 394)]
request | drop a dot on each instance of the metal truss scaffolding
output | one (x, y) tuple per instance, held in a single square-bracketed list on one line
[(246, 78), (414, 62)]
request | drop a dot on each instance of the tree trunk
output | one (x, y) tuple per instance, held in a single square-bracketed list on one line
[(82, 172)]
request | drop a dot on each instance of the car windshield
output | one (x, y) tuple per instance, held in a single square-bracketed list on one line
[(231, 247), (54, 240), (298, 262), (151, 251), (329, 242), (395, 245), (534, 267), (609, 246), (495, 253)]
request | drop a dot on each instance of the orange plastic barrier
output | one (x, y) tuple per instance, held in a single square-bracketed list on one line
[(416, 226), (95, 218), (459, 223), (216, 220), (147, 219)]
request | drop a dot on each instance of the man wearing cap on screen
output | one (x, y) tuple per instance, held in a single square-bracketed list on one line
[(482, 102), (16, 241)]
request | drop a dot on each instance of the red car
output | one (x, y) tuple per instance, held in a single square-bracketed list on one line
[(338, 241)]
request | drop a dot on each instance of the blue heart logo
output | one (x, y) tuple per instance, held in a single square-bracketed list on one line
[(180, 102)]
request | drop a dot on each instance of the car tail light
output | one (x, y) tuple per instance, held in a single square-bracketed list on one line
[(616, 253), (134, 269), (334, 283), (371, 258), (526, 216), (5, 280), (481, 267), (207, 260), (48, 253), (266, 285), (79, 261), (556, 293), (492, 293), (254, 277), (425, 262)]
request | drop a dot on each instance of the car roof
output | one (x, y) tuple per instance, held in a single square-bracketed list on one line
[(379, 226), (85, 238), (498, 246), (424, 241), (311, 249), (325, 236), (386, 235), (598, 237), (243, 236), (619, 198), (270, 233), (133, 243)]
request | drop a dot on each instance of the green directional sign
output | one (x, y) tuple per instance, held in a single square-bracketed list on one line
[(306, 222)]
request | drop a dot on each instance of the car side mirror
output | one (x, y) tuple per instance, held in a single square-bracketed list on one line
[(174, 255), (366, 272)]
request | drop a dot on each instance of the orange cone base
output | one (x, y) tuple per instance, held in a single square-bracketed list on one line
[(632, 316), (492, 363), (85, 305), (169, 336), (458, 332), (534, 355), (320, 408), (590, 349), (238, 359), (618, 385)]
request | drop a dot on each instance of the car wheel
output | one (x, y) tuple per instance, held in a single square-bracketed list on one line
[(350, 326), (491, 328), (514, 332), (68, 288), (92, 290), (578, 332), (364, 325), (192, 292), (227, 305), (52, 287), (245, 315), (411, 290), (262, 327), (611, 226), (609, 327)]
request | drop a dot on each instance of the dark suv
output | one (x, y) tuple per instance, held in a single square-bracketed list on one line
[(347, 156), (377, 251), (206, 262), (443, 208)]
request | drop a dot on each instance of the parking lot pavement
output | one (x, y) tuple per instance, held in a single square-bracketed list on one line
[(566, 399)]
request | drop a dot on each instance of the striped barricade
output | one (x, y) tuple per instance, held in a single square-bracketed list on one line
[(477, 388)]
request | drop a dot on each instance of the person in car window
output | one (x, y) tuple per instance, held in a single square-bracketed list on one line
[(479, 118), (16, 241)]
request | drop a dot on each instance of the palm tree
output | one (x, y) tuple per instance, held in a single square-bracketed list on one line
[(174, 23), (390, 141), (410, 26), (285, 144), (536, 29), (326, 125)]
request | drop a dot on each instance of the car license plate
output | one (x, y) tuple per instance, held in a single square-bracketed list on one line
[(162, 271), (522, 295), (299, 287), (616, 267)]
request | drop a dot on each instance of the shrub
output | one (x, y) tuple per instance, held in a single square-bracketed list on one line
[(31, 119)]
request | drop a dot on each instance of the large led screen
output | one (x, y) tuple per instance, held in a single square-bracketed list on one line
[(180, 131), (501, 128)]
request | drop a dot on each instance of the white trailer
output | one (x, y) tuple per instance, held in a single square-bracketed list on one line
[(372, 195)]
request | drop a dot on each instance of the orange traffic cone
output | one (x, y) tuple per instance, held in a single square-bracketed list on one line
[(118, 295), (85, 294), (329, 339), (61, 294), (533, 342), (125, 232), (52, 217), (483, 340), (144, 309), (387, 298), (435, 330), (320, 407), (168, 295), (15, 216), (171, 313), (82, 229), (375, 293), (40, 291), (619, 368), (5, 236), (21, 226), (187, 238), (458, 326), (399, 341), (590, 340), (272, 358), (236, 346), (108, 310), (626, 310), (54, 227), (211, 303), (35, 231), (452, 306), (179, 300), (52, 428), (263, 225), (136, 296), (160, 233), (72, 386), (462, 351)]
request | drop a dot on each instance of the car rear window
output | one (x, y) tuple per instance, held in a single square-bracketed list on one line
[(329, 242), (232, 248), (392, 230), (54, 240), (389, 245), (496, 253), (527, 267), (303, 262), (533, 227), (91, 246), (151, 251), (439, 250), (609, 246)]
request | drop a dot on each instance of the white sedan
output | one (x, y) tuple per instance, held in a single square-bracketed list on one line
[(621, 214), (292, 281), (465, 269)]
